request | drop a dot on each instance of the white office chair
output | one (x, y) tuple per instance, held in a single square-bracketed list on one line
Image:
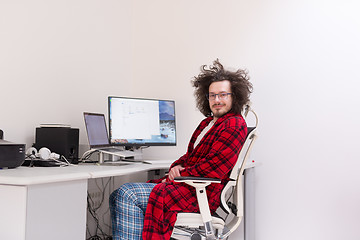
[(199, 226)]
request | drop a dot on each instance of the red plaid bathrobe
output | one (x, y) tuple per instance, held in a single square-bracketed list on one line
[(213, 157)]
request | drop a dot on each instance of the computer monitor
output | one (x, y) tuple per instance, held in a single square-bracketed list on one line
[(136, 122)]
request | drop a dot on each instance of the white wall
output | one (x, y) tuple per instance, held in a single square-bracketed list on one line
[(171, 40), (304, 56), (60, 59)]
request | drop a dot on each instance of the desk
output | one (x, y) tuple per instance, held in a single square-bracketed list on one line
[(50, 203)]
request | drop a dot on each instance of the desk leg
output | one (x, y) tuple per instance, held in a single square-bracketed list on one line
[(13, 212), (56, 211), (249, 204)]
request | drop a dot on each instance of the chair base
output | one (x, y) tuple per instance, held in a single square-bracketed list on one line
[(188, 223)]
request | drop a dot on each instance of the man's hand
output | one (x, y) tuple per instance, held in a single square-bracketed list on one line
[(175, 172)]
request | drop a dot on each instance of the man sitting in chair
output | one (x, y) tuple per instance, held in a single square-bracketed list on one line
[(148, 210)]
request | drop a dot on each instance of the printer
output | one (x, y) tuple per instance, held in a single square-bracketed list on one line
[(12, 155)]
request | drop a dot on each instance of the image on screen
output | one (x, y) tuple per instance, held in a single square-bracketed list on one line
[(141, 122)]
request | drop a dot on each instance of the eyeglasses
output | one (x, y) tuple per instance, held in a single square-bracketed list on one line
[(222, 96)]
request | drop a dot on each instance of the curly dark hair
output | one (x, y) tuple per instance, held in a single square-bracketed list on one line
[(240, 86)]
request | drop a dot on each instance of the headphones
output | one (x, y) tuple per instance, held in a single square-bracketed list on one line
[(44, 153)]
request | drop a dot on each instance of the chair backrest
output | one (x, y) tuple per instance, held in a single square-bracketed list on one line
[(232, 194)]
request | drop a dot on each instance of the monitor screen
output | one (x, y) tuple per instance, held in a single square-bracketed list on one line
[(141, 122)]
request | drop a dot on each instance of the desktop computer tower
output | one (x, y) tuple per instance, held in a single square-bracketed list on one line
[(61, 140)]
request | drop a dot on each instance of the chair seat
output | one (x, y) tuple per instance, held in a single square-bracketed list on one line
[(194, 220)]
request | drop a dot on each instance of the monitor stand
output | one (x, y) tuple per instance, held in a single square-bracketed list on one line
[(122, 156)]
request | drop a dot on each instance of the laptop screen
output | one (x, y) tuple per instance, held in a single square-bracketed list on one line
[(96, 129)]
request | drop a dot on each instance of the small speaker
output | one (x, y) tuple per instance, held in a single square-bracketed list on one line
[(62, 140)]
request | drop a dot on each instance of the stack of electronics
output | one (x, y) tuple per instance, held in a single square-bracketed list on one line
[(134, 123), (61, 139), (63, 142)]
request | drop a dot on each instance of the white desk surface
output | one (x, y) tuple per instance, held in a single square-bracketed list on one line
[(39, 175), (23, 176)]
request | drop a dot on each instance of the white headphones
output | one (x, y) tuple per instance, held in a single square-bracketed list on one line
[(44, 153)]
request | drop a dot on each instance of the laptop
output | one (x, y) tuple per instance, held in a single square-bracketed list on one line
[(98, 136)]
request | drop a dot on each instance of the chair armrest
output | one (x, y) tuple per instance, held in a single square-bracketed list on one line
[(197, 179), (200, 183)]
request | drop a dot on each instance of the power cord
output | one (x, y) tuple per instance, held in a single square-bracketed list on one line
[(92, 209), (87, 155), (95, 217), (51, 162), (99, 238)]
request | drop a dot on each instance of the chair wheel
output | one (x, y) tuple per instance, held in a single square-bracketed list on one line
[(195, 236)]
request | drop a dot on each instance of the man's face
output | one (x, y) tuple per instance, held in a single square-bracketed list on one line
[(220, 104)]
